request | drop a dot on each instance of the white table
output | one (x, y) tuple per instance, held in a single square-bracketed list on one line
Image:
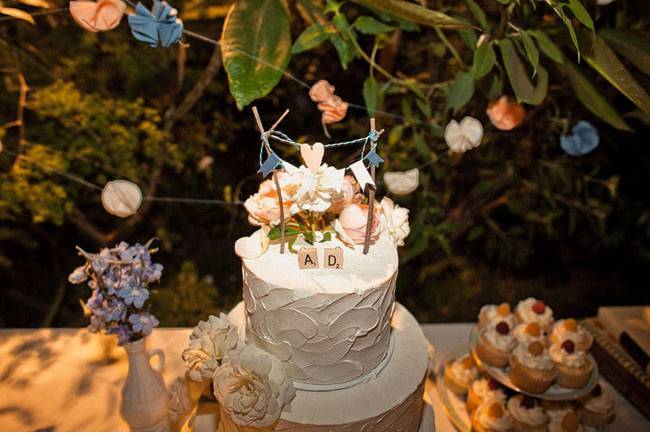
[(69, 379)]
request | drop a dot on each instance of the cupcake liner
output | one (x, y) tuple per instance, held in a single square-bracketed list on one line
[(572, 377), (490, 354), (522, 426), (530, 379), (596, 419)]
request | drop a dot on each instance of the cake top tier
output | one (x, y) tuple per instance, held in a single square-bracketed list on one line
[(358, 273)]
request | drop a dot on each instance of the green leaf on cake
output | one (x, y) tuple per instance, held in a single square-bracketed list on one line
[(255, 28)]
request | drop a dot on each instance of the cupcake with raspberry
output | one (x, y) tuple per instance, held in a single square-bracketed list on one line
[(495, 344), (493, 314), (567, 422), (597, 408), (531, 368), (526, 333), (532, 310), (491, 416), (568, 329), (573, 366), (482, 390), (460, 374), (527, 413)]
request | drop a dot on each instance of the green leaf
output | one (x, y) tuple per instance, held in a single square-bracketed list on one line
[(341, 23), (344, 49), (469, 37), (635, 46), (274, 233), (460, 92), (601, 57), (581, 13), (524, 89), (414, 13), (395, 135), (547, 46), (484, 59), (478, 13), (531, 50), (495, 87), (312, 37), (370, 26), (592, 98), (421, 145), (257, 28), (372, 95)]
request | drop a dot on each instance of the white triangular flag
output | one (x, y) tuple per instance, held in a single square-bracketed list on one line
[(289, 168), (361, 173)]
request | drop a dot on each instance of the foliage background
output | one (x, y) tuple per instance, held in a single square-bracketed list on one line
[(515, 217)]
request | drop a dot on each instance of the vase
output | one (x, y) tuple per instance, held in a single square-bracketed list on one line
[(145, 400)]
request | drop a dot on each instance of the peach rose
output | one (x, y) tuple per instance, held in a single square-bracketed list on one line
[(505, 113), (353, 220), (321, 91), (264, 207), (349, 194)]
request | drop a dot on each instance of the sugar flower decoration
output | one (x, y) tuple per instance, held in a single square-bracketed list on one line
[(317, 189), (252, 388), (463, 136), (210, 341), (584, 139), (394, 221), (159, 26), (333, 108), (264, 207), (352, 222), (402, 182), (253, 246), (505, 113), (97, 16)]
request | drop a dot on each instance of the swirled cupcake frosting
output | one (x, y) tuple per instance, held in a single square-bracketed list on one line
[(541, 361), (531, 310), (529, 414)]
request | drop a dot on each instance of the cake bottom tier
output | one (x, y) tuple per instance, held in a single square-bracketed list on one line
[(389, 399)]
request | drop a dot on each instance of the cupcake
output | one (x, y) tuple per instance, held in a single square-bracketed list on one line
[(566, 422), (568, 329), (526, 333), (555, 409), (495, 344), (531, 368), (493, 314), (533, 311), (459, 374), (572, 365), (527, 413), (482, 390), (597, 408), (491, 416)]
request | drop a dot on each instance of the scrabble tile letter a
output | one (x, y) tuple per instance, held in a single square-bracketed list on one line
[(308, 258)]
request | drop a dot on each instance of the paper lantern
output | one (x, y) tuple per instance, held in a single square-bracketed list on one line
[(463, 136), (121, 198)]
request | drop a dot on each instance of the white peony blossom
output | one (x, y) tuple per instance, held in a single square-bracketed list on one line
[(317, 190), (209, 343), (394, 221), (252, 387)]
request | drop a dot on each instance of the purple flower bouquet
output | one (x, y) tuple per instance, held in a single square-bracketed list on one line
[(119, 278)]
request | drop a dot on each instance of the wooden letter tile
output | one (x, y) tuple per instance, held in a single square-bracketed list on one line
[(333, 258), (308, 258)]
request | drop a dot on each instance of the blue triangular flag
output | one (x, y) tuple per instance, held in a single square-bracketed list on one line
[(269, 165), (374, 158)]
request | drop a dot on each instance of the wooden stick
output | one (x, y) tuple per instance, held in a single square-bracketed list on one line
[(258, 120), (371, 201)]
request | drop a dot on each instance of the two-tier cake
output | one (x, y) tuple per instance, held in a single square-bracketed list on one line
[(319, 342)]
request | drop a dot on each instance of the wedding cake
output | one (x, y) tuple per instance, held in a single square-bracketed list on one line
[(318, 342)]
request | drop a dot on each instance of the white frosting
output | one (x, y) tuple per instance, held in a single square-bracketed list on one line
[(502, 342), (490, 315), (527, 315), (491, 423), (576, 359), (603, 404), (481, 388), (556, 424), (462, 374), (559, 333), (326, 326), (540, 362), (534, 416), (521, 336)]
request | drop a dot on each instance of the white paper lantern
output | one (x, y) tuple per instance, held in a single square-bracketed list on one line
[(402, 182), (463, 136), (121, 198)]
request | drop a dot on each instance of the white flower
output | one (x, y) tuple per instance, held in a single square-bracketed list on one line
[(394, 221), (463, 136), (402, 182), (209, 343), (317, 190), (252, 387)]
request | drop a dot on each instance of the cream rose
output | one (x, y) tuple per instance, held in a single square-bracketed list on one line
[(317, 190), (351, 223), (252, 388), (264, 206), (209, 342), (394, 221)]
